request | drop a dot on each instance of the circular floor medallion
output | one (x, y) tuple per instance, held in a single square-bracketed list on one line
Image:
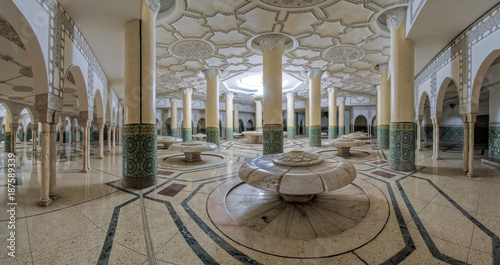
[(332, 223)]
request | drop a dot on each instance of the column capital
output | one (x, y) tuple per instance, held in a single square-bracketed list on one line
[(396, 19), (211, 72), (155, 5), (173, 100), (333, 89), (272, 41), (383, 67), (257, 98), (316, 73), (229, 95), (290, 95), (187, 90)]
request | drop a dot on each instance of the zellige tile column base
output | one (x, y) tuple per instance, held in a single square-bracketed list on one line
[(332, 132), (315, 135), (307, 131), (175, 133), (187, 135), (7, 142), (272, 139), (290, 132), (139, 155), (341, 130), (383, 136), (213, 135), (402, 146), (229, 134)]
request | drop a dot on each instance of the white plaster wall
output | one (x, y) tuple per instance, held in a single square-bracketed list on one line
[(494, 106), (481, 50)]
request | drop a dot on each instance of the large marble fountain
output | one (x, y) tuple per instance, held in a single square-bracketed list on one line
[(298, 204)]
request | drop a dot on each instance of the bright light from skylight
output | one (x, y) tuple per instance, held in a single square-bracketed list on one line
[(254, 82)]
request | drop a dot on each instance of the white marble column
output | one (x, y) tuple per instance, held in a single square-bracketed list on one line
[(258, 113), (45, 164), (34, 131), (466, 144), (229, 116), (472, 119), (332, 113), (108, 125), (419, 135), (236, 118), (173, 117), (101, 140), (53, 158), (290, 115)]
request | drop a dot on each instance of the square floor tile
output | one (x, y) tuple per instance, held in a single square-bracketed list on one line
[(172, 190), (383, 174), (165, 173)]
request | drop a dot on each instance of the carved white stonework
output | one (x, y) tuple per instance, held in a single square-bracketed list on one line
[(290, 96), (333, 89), (155, 5), (293, 3), (192, 49), (316, 73), (229, 95), (210, 72), (344, 53), (273, 41), (187, 90), (395, 20), (383, 67), (168, 80)]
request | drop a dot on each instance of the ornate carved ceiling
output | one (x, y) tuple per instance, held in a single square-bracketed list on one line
[(333, 35)]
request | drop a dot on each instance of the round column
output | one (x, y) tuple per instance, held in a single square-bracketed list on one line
[(35, 136), (45, 162), (61, 134), (272, 47), (419, 135), (290, 115), (53, 158), (472, 120), (236, 118), (229, 116), (187, 130), (258, 113), (332, 113), (315, 107), (308, 119), (342, 116), (173, 117), (8, 135), (212, 106), (108, 125), (114, 136), (139, 129), (384, 119), (101, 140), (13, 141), (402, 127), (466, 144)]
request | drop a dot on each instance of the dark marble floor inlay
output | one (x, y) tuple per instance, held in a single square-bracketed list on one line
[(380, 162), (172, 189), (165, 173), (383, 174)]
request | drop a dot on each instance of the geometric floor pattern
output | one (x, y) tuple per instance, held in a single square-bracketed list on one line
[(437, 215)]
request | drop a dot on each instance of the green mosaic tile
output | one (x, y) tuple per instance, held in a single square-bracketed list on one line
[(229, 134), (187, 134), (402, 146), (272, 139), (139, 155), (315, 135), (290, 132), (341, 130), (383, 136), (213, 135), (7, 142), (494, 140), (332, 132)]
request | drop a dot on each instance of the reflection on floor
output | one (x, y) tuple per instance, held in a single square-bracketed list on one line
[(437, 215)]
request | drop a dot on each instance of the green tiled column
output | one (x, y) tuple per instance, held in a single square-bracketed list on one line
[(494, 140), (307, 131), (332, 132), (290, 132), (7, 142), (229, 134), (139, 155), (402, 146), (175, 133), (187, 134), (315, 135), (383, 136), (272, 139), (213, 135), (341, 130)]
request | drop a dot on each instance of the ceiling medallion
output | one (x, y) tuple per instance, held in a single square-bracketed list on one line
[(344, 53), (293, 3), (192, 49)]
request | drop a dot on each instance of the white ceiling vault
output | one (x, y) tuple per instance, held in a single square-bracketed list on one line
[(334, 36)]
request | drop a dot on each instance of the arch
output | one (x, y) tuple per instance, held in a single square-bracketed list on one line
[(23, 27), (250, 125), (241, 126), (479, 77), (360, 123), (440, 95), (98, 105), (421, 104), (8, 113), (200, 125), (108, 112), (284, 125), (81, 87)]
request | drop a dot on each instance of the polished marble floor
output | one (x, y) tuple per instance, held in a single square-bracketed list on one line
[(437, 215)]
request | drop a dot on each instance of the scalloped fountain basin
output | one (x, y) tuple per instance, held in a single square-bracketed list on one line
[(192, 149), (297, 176)]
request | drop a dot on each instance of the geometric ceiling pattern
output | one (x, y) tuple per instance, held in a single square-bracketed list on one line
[(335, 36)]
